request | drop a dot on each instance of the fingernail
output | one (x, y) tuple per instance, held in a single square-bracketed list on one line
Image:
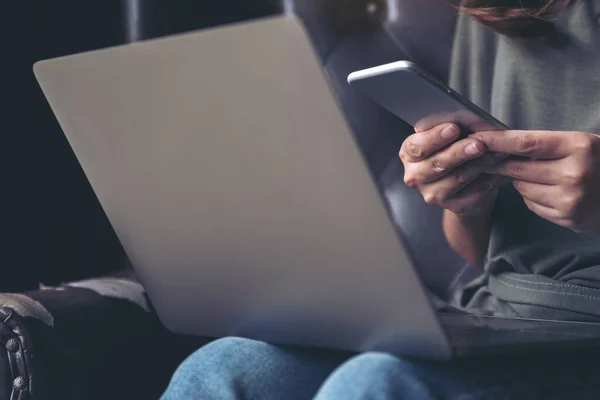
[(450, 132), (472, 149)]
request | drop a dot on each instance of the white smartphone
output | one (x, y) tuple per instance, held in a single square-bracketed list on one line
[(419, 99)]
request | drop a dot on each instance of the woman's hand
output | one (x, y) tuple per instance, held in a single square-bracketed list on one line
[(448, 172), (557, 173)]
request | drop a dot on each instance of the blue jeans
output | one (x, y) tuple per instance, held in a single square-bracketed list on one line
[(232, 368)]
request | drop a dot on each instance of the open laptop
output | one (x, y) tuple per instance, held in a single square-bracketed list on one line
[(244, 203)]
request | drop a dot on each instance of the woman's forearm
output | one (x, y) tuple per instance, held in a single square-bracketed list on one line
[(469, 236)]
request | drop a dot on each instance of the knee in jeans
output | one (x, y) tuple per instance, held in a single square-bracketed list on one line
[(380, 364), (217, 363), (227, 358), (370, 370), (375, 375), (227, 353)]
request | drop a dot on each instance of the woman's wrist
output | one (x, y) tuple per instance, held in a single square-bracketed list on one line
[(468, 235)]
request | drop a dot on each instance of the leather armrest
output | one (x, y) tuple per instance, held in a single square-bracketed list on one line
[(16, 361), (90, 340)]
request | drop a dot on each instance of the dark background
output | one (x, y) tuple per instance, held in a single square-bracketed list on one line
[(53, 228)]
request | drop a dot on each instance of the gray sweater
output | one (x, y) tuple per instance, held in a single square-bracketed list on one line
[(535, 268)]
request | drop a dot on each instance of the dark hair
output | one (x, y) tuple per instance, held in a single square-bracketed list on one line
[(523, 18)]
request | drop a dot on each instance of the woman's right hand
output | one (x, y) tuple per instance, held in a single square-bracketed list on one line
[(450, 172)]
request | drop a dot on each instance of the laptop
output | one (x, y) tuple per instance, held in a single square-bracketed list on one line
[(246, 206)]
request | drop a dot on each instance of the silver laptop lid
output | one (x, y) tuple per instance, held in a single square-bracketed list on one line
[(238, 191)]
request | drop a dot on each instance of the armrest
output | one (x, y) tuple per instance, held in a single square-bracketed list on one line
[(95, 339)]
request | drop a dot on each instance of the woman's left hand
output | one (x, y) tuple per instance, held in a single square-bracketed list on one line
[(557, 173)]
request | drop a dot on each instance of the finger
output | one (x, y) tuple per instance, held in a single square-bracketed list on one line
[(471, 122), (548, 145), (446, 160), (475, 198), (446, 187), (548, 213), (483, 183), (545, 195), (432, 121), (542, 171), (467, 121), (421, 145)]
